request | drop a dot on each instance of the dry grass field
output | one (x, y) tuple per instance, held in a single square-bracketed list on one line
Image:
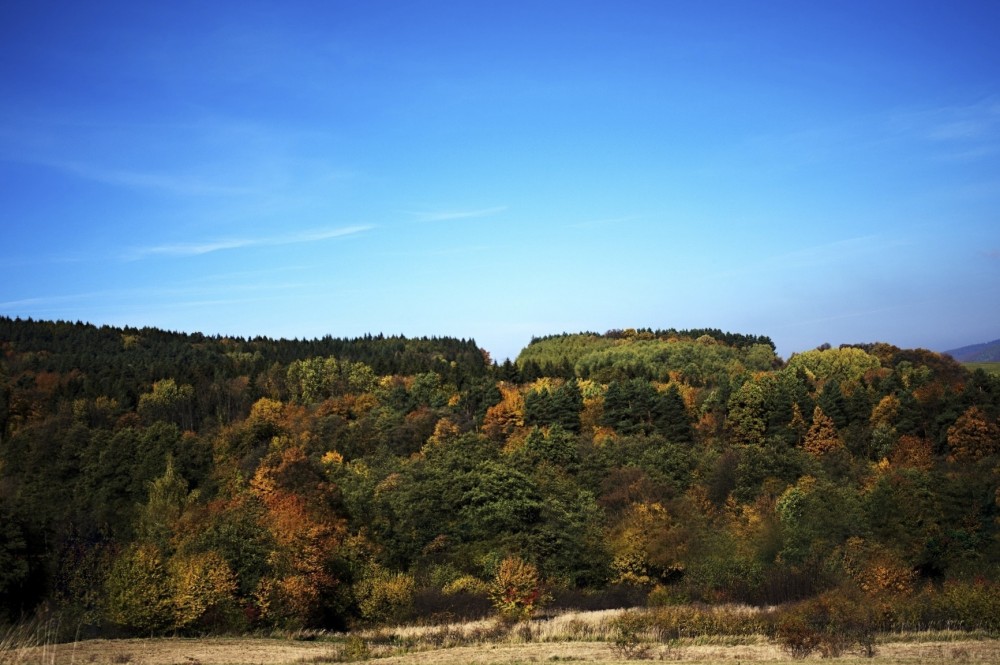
[(255, 651), (575, 637)]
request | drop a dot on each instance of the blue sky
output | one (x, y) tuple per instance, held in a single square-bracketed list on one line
[(813, 171)]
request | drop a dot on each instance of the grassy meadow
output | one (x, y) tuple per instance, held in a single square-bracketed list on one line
[(989, 368), (610, 636)]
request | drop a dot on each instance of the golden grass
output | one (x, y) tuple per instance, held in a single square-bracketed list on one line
[(238, 651), (568, 637)]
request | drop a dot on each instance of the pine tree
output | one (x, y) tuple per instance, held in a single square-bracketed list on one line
[(672, 417)]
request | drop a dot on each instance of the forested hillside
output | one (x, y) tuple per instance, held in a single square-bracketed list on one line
[(154, 481), (988, 352)]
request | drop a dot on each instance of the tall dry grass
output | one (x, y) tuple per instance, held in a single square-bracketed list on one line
[(31, 641), (722, 625)]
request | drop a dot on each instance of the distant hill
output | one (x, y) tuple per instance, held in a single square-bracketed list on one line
[(977, 353)]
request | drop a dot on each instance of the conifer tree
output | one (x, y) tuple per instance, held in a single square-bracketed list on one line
[(822, 436)]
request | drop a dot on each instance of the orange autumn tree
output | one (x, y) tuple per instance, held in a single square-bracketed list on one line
[(822, 436), (913, 452), (973, 436), (301, 515), (516, 589), (503, 418)]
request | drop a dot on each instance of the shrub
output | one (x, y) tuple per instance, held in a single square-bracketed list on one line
[(516, 589), (796, 634), (385, 597), (677, 621), (138, 594), (618, 596), (629, 631), (831, 623), (466, 584), (956, 606), (434, 606)]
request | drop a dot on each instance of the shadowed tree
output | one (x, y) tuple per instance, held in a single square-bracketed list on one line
[(973, 436)]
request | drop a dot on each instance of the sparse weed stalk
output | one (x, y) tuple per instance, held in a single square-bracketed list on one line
[(34, 641)]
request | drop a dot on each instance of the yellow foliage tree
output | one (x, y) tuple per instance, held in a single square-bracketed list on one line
[(885, 412), (504, 417), (516, 590), (202, 584), (137, 593), (822, 436), (647, 538), (444, 430), (877, 571), (973, 436), (384, 596)]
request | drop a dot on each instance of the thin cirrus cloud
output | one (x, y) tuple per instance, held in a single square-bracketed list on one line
[(831, 253), (174, 297), (165, 183), (977, 122), (207, 247), (449, 215), (607, 221)]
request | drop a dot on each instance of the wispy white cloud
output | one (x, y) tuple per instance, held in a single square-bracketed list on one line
[(30, 302), (965, 123), (812, 256), (972, 129), (207, 247), (449, 215), (442, 251), (832, 251), (178, 295), (608, 221), (180, 185)]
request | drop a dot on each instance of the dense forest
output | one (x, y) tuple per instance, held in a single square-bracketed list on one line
[(155, 482)]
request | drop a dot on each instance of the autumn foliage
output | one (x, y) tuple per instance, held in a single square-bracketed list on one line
[(155, 482)]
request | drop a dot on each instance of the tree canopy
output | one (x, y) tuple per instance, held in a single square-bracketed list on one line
[(153, 481)]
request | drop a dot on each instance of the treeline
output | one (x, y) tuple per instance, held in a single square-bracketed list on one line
[(154, 481), (643, 352), (68, 361)]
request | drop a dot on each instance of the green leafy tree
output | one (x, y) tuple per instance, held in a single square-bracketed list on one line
[(816, 517), (498, 500), (168, 402), (168, 499), (556, 446), (846, 364), (138, 593), (747, 414), (235, 530), (14, 567)]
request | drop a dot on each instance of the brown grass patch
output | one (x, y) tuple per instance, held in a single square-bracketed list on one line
[(569, 637)]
